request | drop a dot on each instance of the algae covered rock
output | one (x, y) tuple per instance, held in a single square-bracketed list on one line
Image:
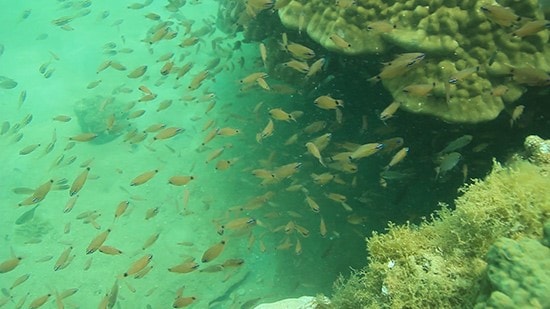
[(103, 116), (537, 149), (455, 35), (441, 262), (519, 274)]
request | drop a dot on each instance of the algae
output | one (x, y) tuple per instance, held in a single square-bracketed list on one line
[(440, 263)]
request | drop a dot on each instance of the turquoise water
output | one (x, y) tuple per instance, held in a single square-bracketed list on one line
[(277, 263)]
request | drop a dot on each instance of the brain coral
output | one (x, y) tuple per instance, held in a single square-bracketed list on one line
[(455, 35)]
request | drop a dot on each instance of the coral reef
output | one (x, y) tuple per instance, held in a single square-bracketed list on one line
[(537, 149), (440, 263), (455, 35), (518, 272)]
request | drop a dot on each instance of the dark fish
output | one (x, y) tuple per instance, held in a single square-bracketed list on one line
[(23, 190), (7, 83), (26, 216), (5, 127), (42, 36)]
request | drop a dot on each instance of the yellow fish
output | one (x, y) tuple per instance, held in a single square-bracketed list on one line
[(213, 252), (279, 114), (314, 151), (143, 178), (327, 102)]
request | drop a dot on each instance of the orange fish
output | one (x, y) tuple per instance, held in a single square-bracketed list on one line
[(143, 178), (97, 241), (138, 265), (79, 182), (180, 180), (83, 137)]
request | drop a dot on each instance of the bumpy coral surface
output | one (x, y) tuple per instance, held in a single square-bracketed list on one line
[(537, 149), (518, 273), (455, 35)]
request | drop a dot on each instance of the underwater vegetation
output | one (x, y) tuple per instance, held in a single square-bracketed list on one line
[(441, 262)]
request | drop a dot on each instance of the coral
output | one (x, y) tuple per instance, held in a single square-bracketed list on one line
[(455, 35), (518, 272), (439, 263), (537, 149)]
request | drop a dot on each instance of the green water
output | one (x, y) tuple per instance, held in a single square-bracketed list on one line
[(73, 55)]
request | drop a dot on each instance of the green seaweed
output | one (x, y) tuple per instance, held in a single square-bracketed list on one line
[(440, 263)]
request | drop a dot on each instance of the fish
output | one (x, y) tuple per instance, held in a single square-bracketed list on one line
[(233, 262), (381, 26), (151, 212), (457, 144), (500, 15), (530, 76), (266, 132), (222, 165), (26, 216), (447, 162), (316, 67), (531, 28), (150, 241), (83, 137), (315, 127), (389, 111), (97, 241), (398, 66), (365, 150), (299, 51), (227, 131), (138, 265), (196, 82), (39, 301), (339, 41), (187, 266), (7, 83), (398, 157), (327, 102), (314, 151), (298, 247), (143, 178), (299, 66), (516, 113), (279, 114), (180, 180), (19, 280), (263, 84), (213, 252), (63, 259), (322, 228), (462, 74), (28, 149), (164, 105), (499, 91), (263, 54), (79, 182), (121, 208), (9, 264), (137, 72), (312, 204), (167, 133), (109, 250), (39, 194), (419, 90)]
